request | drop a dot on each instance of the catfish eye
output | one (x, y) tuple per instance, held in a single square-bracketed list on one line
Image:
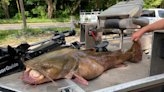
[(36, 64), (46, 65)]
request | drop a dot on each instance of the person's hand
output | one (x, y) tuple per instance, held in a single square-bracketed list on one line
[(137, 35)]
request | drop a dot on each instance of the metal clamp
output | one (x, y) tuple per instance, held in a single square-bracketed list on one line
[(76, 45), (101, 47), (67, 88)]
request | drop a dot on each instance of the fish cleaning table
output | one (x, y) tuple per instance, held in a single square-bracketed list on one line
[(113, 77)]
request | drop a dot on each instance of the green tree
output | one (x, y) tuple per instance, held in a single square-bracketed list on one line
[(162, 4), (1, 12), (54, 6), (36, 8), (61, 8), (152, 3), (75, 7), (5, 4), (50, 8)]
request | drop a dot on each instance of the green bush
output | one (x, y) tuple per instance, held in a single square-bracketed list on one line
[(27, 13), (19, 15), (63, 13), (40, 11)]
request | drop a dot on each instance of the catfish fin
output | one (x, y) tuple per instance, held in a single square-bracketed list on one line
[(80, 80), (121, 65), (69, 75), (92, 49), (137, 52), (104, 72)]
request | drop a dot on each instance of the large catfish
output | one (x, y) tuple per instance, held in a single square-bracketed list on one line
[(80, 65)]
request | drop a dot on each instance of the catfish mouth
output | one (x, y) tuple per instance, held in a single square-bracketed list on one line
[(31, 76)]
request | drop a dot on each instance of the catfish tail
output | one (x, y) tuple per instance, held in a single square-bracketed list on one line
[(137, 52)]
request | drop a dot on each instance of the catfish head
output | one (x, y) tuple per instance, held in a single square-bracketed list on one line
[(49, 67)]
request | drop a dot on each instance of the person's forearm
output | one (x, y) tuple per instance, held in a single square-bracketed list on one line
[(159, 25)]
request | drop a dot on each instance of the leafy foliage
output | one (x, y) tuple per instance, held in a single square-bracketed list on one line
[(39, 8), (2, 13), (6, 1), (152, 3), (40, 11), (19, 16)]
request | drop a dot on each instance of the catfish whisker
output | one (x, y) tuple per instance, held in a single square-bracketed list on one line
[(25, 86), (19, 79), (34, 86), (51, 79)]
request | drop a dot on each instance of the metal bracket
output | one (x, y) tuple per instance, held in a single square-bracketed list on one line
[(76, 45), (67, 88), (121, 38), (101, 47)]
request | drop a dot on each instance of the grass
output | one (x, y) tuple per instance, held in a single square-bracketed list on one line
[(28, 34), (34, 20)]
